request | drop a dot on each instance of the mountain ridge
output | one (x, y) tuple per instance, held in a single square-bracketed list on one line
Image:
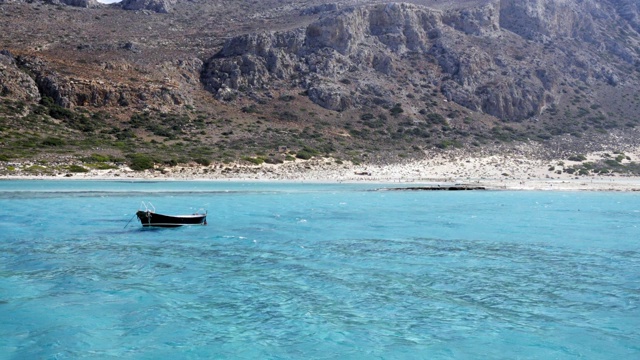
[(351, 77)]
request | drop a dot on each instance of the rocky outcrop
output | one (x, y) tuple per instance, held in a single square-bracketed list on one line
[(540, 19), (159, 6), (319, 9), (330, 97), (477, 66), (482, 20), (373, 42), (545, 20), (74, 91), (14, 83), (587, 21), (506, 58)]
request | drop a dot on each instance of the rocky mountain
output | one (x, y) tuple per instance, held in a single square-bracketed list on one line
[(350, 77), (470, 55)]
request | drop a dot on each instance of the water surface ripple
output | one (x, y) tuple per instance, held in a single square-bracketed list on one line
[(300, 271)]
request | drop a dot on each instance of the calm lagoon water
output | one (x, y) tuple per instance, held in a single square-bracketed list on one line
[(316, 271)]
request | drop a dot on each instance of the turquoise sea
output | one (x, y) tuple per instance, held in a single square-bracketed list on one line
[(316, 271)]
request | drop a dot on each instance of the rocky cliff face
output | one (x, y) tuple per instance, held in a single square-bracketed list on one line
[(14, 83), (71, 91), (505, 58), (541, 19), (375, 43), (474, 56)]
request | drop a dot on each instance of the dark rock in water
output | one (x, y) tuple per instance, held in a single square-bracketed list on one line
[(438, 188)]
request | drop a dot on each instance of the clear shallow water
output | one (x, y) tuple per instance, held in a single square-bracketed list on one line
[(304, 271)]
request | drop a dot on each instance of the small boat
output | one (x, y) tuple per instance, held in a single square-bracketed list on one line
[(149, 217)]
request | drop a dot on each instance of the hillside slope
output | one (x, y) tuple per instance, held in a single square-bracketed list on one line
[(358, 80)]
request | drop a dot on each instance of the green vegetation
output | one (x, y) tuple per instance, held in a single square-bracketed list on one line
[(169, 126), (435, 118), (254, 160), (306, 153), (604, 167), (287, 116), (202, 161), (72, 119), (53, 142), (77, 169), (140, 162), (449, 143), (98, 158), (396, 110), (255, 132)]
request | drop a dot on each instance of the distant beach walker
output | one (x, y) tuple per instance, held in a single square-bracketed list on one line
[(149, 217)]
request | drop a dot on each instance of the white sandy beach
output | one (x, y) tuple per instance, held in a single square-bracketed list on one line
[(492, 172)]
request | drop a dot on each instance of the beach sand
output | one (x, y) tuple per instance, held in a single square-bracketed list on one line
[(505, 172)]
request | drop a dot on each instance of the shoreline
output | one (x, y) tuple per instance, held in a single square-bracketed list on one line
[(631, 184), (496, 172)]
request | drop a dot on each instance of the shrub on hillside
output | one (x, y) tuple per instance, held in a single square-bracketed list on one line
[(396, 110), (52, 141), (202, 161), (140, 162), (255, 161), (77, 169)]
